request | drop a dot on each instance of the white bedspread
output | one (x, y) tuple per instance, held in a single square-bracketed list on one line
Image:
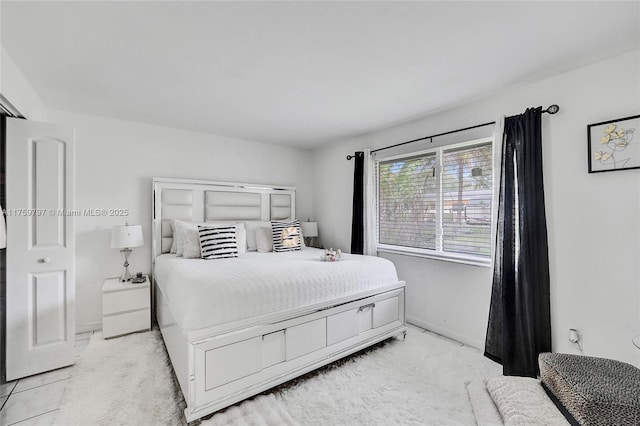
[(203, 293)]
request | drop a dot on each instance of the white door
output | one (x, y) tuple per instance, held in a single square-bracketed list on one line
[(40, 247)]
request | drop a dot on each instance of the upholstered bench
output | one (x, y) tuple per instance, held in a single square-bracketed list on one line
[(594, 391)]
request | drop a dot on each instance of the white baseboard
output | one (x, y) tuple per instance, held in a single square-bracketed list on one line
[(90, 326), (462, 338)]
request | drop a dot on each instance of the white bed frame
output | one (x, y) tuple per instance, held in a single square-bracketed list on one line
[(221, 365)]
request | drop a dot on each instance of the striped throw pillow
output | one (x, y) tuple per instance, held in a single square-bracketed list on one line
[(286, 236), (218, 242)]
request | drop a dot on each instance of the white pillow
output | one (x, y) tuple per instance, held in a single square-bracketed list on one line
[(264, 239), (180, 231), (191, 243), (241, 238), (174, 241), (251, 233)]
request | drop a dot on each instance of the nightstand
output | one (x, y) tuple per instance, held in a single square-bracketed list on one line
[(126, 307)]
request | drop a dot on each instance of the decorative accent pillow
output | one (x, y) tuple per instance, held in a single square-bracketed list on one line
[(218, 242), (191, 243), (181, 229), (264, 239), (241, 233), (286, 236)]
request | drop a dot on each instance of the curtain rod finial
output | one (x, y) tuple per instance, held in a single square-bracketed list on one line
[(552, 109)]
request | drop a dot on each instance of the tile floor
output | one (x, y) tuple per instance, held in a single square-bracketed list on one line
[(34, 400)]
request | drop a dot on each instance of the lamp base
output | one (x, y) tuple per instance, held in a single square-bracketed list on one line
[(126, 276)]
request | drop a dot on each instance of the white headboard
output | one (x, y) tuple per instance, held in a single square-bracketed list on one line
[(206, 201)]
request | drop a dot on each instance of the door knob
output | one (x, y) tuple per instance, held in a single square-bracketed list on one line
[(45, 260)]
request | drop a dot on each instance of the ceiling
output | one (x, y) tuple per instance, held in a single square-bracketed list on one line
[(299, 73)]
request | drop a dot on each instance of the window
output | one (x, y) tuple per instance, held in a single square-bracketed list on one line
[(437, 203)]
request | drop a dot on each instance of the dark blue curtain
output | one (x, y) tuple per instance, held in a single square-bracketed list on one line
[(357, 221), (519, 327)]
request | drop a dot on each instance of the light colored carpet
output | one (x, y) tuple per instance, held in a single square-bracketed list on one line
[(417, 381), (122, 381)]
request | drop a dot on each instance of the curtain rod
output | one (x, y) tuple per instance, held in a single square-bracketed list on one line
[(552, 109)]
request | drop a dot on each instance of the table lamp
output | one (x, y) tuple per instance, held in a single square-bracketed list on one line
[(125, 237), (309, 231)]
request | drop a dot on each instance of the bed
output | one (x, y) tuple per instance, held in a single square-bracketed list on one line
[(236, 327)]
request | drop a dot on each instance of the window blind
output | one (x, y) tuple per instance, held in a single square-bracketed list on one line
[(407, 201), (466, 200), (438, 201)]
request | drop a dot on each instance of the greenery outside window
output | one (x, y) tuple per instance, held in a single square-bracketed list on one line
[(437, 203)]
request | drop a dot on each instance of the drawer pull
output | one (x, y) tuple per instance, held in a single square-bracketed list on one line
[(284, 332), (44, 260), (370, 305)]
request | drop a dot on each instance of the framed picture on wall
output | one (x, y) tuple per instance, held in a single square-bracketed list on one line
[(614, 145)]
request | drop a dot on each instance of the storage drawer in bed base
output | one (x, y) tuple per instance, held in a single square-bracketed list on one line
[(234, 366), (270, 378)]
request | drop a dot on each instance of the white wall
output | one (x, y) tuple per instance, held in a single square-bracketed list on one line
[(17, 90), (593, 219), (115, 161)]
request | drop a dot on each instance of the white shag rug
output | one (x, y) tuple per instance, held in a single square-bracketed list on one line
[(122, 381), (420, 381)]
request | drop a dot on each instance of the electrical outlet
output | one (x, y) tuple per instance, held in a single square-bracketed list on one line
[(574, 336)]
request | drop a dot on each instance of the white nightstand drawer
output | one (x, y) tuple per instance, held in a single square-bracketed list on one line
[(115, 325), (126, 300)]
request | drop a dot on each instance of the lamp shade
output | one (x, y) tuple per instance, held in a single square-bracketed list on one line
[(126, 236), (309, 229)]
